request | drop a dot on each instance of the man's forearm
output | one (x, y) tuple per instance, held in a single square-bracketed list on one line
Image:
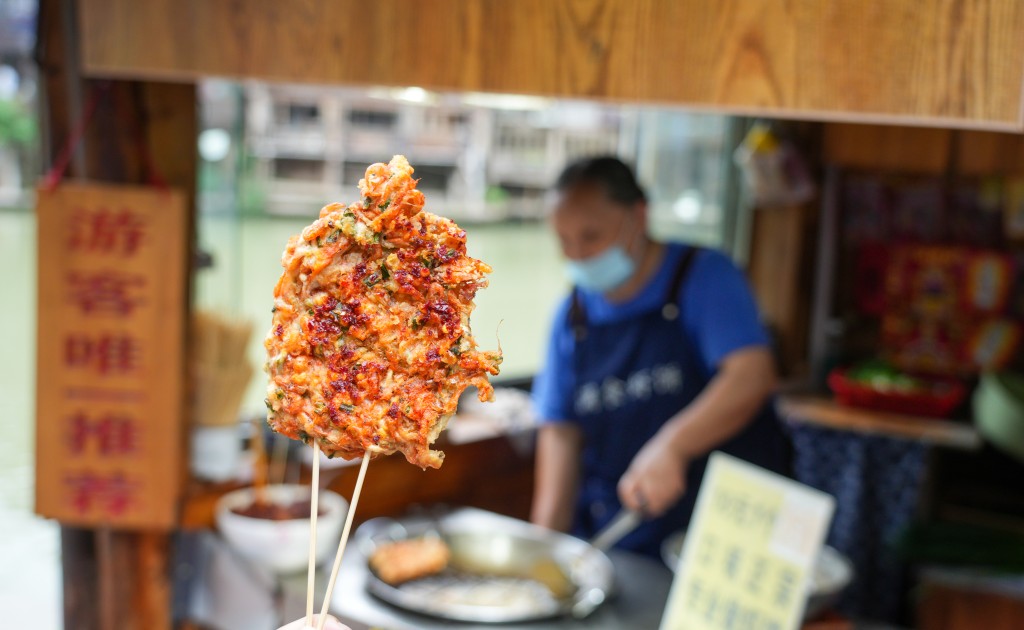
[(557, 475), (729, 403)]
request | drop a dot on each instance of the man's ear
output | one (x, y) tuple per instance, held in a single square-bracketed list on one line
[(640, 208)]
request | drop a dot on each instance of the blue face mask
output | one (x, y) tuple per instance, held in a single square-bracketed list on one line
[(603, 272)]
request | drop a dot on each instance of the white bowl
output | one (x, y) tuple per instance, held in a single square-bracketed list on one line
[(281, 546), (833, 572), (216, 452)]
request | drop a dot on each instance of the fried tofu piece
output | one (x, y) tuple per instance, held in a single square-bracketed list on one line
[(406, 560)]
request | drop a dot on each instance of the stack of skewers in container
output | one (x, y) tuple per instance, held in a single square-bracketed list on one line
[(221, 373)]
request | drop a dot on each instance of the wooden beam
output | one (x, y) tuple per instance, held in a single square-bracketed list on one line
[(141, 132), (779, 268), (80, 579), (926, 62)]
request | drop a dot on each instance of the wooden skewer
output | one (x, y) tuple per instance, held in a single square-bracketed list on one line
[(313, 513), (344, 539)]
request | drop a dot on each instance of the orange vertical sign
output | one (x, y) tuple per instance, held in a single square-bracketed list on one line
[(110, 354)]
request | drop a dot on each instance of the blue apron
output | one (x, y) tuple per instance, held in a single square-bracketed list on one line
[(631, 377)]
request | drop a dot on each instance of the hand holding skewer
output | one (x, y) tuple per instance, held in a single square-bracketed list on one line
[(329, 624)]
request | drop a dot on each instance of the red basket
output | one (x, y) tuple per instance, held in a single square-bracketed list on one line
[(942, 400)]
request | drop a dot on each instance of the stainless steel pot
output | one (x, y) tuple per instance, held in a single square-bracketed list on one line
[(501, 570)]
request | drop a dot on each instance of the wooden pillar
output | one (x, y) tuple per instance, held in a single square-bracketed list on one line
[(780, 268), (141, 132)]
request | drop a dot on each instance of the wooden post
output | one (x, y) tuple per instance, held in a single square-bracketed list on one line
[(780, 269), (141, 133)]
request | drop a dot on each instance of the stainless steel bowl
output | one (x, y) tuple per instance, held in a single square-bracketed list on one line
[(832, 573), (502, 570)]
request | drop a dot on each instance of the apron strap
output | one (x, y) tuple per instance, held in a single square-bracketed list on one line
[(577, 316), (670, 310)]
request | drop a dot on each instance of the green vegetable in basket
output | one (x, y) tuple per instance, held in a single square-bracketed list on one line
[(884, 377)]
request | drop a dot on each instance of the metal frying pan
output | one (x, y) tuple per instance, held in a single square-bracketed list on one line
[(501, 570)]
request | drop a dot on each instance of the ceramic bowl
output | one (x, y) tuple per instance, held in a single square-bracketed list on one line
[(281, 546)]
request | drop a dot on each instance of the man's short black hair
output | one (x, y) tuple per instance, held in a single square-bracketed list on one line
[(607, 171)]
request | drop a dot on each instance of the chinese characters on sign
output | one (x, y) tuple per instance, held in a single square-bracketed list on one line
[(112, 303), (612, 392), (749, 554)]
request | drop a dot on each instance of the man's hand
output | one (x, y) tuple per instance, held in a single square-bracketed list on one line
[(655, 479)]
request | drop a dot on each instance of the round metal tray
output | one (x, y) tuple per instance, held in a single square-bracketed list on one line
[(502, 570)]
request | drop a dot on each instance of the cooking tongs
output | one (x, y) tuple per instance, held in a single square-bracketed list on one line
[(616, 529)]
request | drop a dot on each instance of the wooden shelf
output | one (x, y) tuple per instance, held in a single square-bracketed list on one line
[(826, 412), (829, 621)]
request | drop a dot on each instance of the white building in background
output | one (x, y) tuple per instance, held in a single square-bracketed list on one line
[(18, 162), (479, 157)]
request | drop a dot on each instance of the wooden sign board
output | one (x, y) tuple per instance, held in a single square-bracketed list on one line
[(110, 360), (749, 552)]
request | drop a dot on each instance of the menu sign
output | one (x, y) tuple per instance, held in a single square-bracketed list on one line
[(110, 354), (749, 552)]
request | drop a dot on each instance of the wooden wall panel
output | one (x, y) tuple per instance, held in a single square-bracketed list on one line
[(926, 61), (780, 269), (919, 150), (988, 153), (888, 148)]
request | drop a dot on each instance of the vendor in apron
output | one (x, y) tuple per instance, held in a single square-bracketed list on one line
[(656, 358)]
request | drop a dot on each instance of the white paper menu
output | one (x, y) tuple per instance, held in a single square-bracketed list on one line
[(749, 552)]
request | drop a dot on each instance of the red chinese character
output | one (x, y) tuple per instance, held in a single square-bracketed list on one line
[(104, 292), (84, 490), (118, 435), (106, 354), (107, 231), (78, 433), (114, 493), (113, 433), (118, 493)]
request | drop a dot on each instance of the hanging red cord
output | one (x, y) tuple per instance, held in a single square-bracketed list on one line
[(60, 165), (56, 172)]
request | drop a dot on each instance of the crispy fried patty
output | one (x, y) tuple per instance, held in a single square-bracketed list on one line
[(370, 346)]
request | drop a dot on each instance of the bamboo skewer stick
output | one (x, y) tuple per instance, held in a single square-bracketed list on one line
[(344, 538), (313, 513)]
